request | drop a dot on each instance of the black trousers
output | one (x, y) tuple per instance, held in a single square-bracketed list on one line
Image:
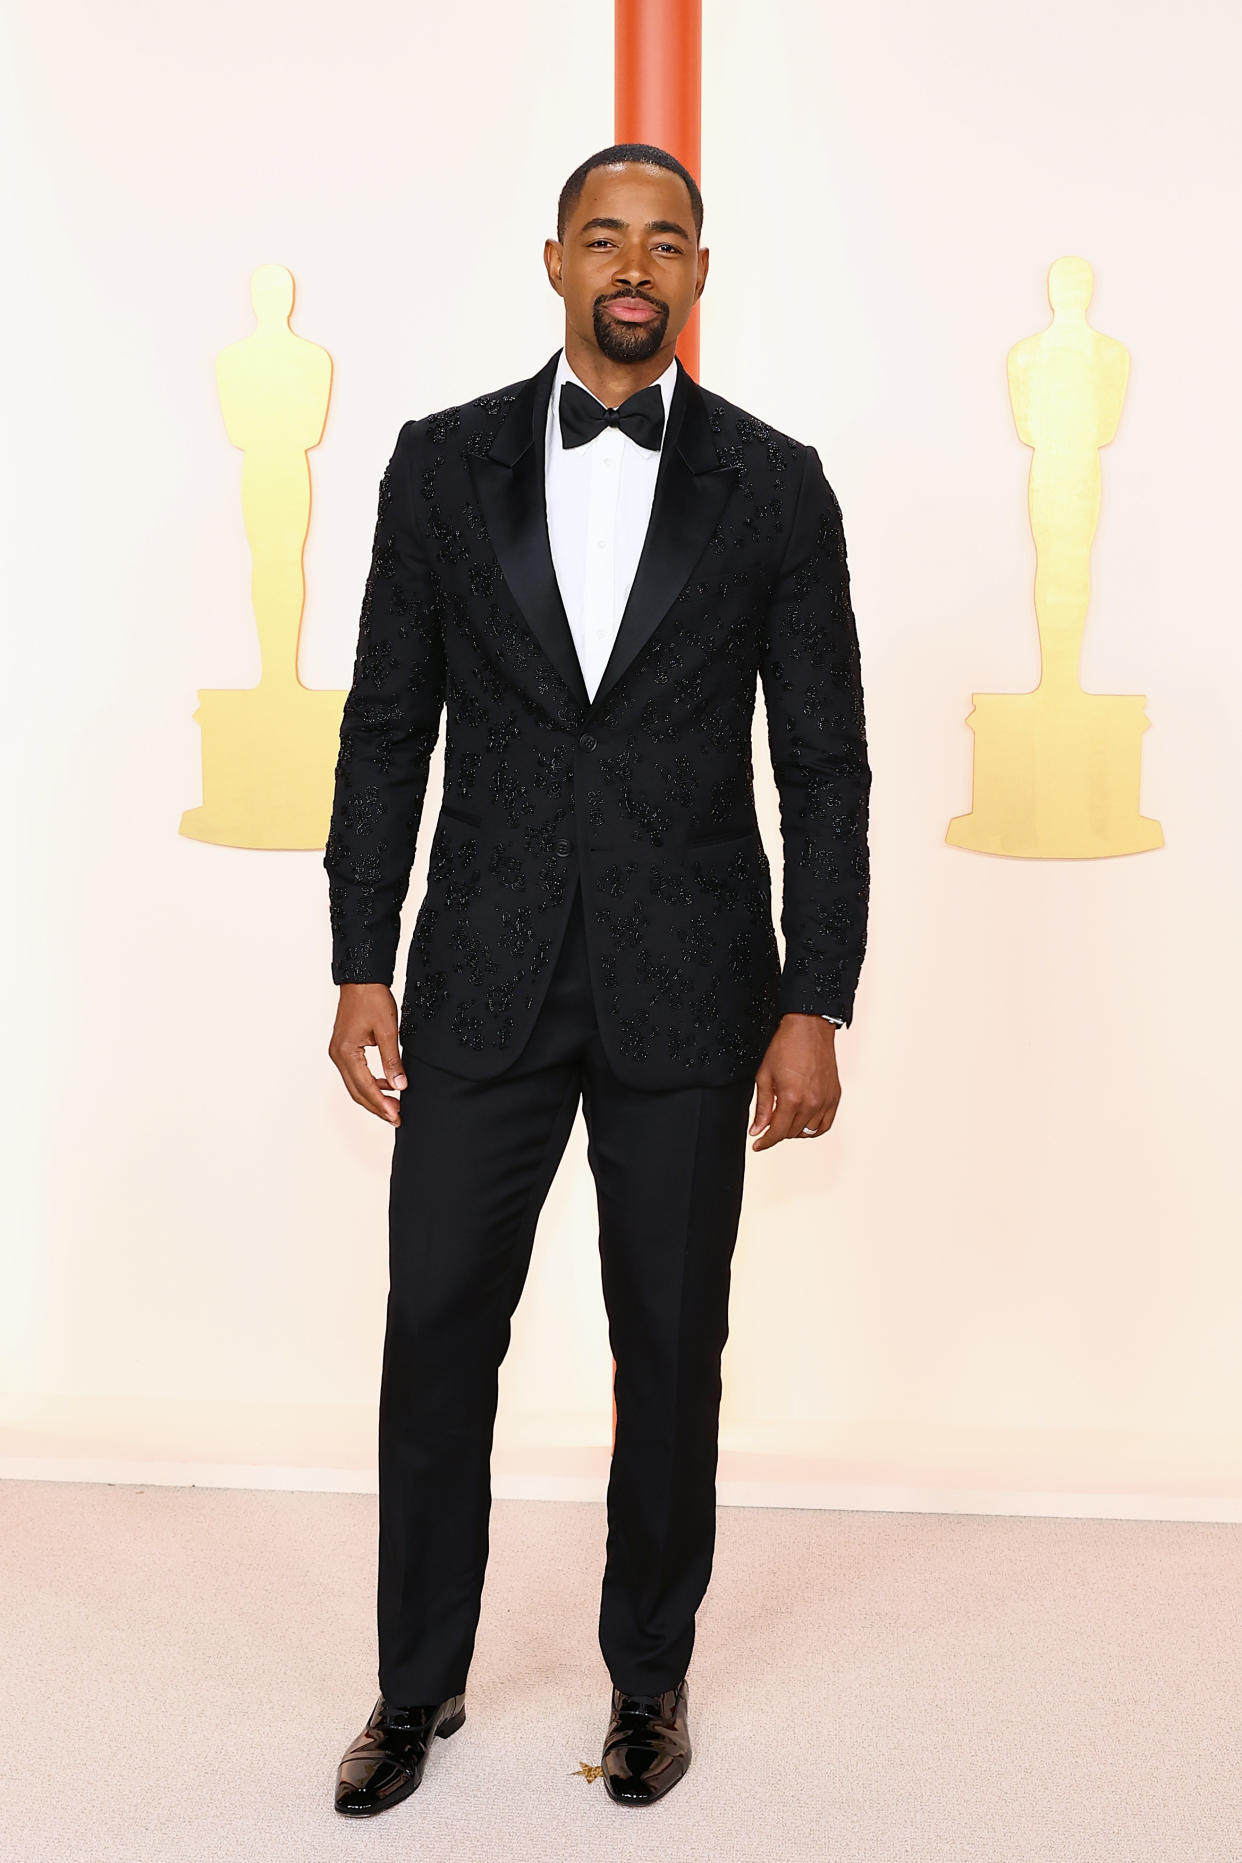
[(472, 1165)]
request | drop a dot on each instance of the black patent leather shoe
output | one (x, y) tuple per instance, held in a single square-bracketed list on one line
[(385, 1763), (647, 1746)]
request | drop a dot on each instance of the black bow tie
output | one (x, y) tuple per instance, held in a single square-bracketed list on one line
[(582, 416)]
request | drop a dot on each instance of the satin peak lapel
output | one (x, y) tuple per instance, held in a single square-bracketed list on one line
[(691, 491), (509, 482)]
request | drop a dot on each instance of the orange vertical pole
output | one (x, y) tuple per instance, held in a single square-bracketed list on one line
[(658, 99), (659, 86)]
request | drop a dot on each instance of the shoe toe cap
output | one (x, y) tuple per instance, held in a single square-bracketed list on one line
[(364, 1785), (636, 1775)]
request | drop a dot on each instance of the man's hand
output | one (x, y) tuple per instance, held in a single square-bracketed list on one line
[(366, 1017), (797, 1089)]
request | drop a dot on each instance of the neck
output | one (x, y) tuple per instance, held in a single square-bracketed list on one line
[(613, 382)]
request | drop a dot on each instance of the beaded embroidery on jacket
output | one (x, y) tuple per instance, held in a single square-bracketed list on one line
[(647, 792)]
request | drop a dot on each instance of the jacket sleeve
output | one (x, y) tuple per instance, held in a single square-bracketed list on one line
[(389, 729), (813, 693)]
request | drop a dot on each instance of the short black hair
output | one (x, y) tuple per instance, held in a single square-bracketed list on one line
[(571, 193)]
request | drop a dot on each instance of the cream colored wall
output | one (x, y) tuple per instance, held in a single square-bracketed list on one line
[(1014, 1262)]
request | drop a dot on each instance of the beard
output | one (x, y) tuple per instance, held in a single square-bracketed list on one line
[(629, 342)]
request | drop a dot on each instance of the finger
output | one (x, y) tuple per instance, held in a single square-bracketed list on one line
[(824, 1122), (365, 1088), (765, 1102), (390, 1058), (822, 1115), (789, 1116)]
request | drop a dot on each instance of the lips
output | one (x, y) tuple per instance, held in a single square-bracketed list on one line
[(632, 310)]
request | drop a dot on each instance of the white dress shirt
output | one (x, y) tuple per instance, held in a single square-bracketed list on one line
[(599, 498), (599, 505)]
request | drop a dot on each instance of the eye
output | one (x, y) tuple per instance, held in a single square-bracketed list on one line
[(602, 240)]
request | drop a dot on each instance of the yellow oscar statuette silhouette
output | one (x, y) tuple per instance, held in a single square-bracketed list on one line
[(1057, 769), (269, 751)]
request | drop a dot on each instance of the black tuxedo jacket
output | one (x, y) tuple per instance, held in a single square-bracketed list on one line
[(645, 792)]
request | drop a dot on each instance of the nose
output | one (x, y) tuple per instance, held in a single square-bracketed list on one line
[(631, 272)]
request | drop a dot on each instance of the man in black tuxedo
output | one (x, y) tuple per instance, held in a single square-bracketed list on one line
[(588, 571)]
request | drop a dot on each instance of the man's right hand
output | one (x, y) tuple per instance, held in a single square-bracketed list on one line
[(366, 1017)]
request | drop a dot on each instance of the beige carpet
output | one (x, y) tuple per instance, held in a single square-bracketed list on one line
[(183, 1667)]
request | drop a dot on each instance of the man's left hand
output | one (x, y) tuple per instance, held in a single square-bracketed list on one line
[(797, 1088)]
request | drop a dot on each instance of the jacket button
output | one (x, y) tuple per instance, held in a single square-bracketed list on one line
[(562, 849), (586, 741)]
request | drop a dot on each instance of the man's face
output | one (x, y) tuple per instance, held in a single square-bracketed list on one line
[(629, 267)]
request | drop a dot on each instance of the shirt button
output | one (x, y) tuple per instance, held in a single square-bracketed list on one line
[(562, 849), (586, 741)]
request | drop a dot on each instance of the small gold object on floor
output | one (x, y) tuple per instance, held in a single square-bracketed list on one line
[(587, 1771)]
